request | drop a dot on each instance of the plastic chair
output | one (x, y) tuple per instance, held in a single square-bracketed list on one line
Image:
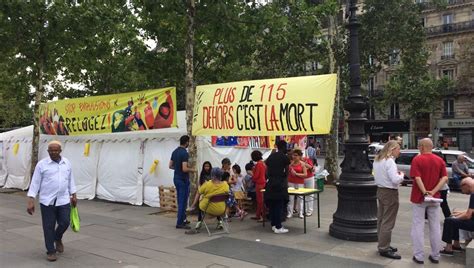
[(212, 200)]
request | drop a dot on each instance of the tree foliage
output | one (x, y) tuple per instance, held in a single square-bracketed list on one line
[(234, 40)]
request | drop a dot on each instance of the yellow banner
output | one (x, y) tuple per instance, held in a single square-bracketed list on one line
[(283, 106), (132, 111)]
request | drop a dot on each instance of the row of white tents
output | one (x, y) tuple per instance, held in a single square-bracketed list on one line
[(114, 167)]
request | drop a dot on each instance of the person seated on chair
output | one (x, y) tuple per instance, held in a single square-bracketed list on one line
[(459, 220), (210, 188)]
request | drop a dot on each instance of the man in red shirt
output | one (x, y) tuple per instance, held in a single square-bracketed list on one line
[(429, 173)]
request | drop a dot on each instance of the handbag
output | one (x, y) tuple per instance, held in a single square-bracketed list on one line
[(75, 219)]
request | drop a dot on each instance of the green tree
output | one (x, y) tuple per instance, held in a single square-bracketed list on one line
[(51, 44), (14, 100), (110, 55), (35, 38)]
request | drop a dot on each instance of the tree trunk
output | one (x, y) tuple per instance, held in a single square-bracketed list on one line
[(330, 162), (36, 115), (190, 90)]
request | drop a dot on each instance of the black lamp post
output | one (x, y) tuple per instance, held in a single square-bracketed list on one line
[(356, 215)]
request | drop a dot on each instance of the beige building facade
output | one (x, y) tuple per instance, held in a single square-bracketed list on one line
[(450, 39)]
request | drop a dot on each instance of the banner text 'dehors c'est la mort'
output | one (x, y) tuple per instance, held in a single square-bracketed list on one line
[(283, 106)]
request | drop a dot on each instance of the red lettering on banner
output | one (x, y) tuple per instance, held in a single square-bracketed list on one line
[(230, 120), (281, 90), (224, 95), (218, 117), (272, 120), (70, 108), (279, 95)]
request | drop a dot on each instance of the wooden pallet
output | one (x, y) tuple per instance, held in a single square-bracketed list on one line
[(168, 199), (247, 205)]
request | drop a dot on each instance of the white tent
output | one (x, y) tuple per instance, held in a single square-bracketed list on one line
[(117, 167)]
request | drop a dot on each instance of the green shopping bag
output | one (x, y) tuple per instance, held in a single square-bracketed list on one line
[(75, 220)]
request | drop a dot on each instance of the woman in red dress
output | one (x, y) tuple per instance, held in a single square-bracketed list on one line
[(259, 178)]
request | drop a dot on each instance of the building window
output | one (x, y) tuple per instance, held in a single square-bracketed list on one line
[(394, 111), (371, 113), (423, 22), (448, 20), (394, 57), (448, 108), (449, 73), (371, 60), (448, 51), (449, 137), (370, 86)]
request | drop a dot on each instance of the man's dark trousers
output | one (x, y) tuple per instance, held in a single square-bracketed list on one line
[(50, 215), (182, 190), (451, 228)]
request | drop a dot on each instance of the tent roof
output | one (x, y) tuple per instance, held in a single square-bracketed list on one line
[(26, 133)]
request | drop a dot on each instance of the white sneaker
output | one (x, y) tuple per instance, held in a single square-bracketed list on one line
[(282, 230), (300, 216), (198, 225), (289, 215), (273, 228)]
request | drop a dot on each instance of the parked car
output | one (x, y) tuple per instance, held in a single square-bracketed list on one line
[(373, 150), (449, 156)]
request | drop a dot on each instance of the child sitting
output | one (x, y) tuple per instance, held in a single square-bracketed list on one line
[(249, 185), (231, 202)]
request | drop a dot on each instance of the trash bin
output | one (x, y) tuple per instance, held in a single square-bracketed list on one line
[(320, 177), (320, 184)]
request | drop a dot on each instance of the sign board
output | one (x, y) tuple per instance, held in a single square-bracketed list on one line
[(132, 111), (284, 106), (455, 123)]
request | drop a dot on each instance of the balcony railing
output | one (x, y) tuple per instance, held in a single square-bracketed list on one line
[(447, 57), (431, 5), (450, 28)]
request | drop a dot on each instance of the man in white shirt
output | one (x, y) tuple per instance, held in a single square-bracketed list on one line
[(54, 182)]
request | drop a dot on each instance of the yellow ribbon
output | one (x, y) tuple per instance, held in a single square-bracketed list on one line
[(16, 146), (153, 166), (87, 148)]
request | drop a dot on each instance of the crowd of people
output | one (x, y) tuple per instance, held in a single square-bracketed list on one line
[(54, 183), (281, 170), (429, 193)]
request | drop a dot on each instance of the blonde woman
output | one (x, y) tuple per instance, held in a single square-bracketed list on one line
[(387, 178)]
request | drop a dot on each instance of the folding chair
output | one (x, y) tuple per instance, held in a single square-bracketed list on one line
[(216, 199)]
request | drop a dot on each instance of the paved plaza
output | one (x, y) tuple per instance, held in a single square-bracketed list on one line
[(120, 235)]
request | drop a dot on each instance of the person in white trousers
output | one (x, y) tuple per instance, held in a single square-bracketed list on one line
[(296, 175), (309, 183), (429, 173)]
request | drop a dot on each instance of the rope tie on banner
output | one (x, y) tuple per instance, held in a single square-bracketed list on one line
[(16, 146), (87, 147), (153, 166)]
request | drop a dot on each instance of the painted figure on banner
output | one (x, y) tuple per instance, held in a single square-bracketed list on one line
[(149, 117), (164, 118)]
